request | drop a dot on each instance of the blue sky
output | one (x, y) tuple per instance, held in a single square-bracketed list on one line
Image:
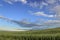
[(32, 11)]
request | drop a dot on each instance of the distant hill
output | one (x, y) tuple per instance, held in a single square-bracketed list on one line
[(45, 31)]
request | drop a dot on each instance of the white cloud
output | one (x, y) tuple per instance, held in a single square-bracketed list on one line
[(56, 9), (43, 14), (53, 21), (37, 4), (51, 1), (1, 16), (12, 1), (24, 1), (33, 4), (32, 25), (9, 1), (42, 4), (22, 23)]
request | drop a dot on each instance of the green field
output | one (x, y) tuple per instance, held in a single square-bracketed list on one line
[(47, 34)]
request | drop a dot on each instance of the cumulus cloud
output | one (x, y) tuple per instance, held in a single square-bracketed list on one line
[(43, 14), (54, 6), (57, 10)]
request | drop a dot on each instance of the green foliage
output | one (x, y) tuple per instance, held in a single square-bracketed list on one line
[(49, 34)]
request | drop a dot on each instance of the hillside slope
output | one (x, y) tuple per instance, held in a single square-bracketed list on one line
[(45, 31), (47, 34)]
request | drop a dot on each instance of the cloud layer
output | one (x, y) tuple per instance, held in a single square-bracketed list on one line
[(21, 23), (32, 25), (43, 14)]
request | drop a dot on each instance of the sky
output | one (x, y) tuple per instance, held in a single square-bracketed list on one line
[(29, 14)]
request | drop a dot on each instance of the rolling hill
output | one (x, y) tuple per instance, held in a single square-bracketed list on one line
[(47, 34)]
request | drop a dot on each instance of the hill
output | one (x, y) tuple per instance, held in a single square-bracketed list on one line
[(47, 34), (45, 31)]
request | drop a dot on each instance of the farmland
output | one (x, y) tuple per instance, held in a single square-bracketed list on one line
[(47, 34)]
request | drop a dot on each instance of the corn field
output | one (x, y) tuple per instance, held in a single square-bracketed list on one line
[(31, 35)]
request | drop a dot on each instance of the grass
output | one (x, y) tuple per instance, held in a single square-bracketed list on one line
[(48, 34)]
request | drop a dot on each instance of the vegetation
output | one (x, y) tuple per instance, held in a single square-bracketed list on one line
[(48, 34)]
